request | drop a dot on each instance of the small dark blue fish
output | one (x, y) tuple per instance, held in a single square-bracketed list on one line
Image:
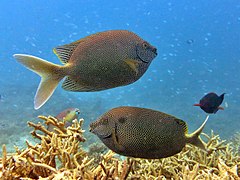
[(211, 102)]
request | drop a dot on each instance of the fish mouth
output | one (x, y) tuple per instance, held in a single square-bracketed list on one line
[(154, 50), (91, 127)]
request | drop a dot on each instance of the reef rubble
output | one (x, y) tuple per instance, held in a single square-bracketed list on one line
[(60, 155)]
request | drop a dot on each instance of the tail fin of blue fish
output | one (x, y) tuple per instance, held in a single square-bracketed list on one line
[(194, 138), (51, 74)]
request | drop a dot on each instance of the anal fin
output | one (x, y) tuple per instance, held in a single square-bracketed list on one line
[(72, 85), (221, 108)]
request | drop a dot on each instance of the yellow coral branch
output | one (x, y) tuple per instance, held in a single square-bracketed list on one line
[(45, 166)]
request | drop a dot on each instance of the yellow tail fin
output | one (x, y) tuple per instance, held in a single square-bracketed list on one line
[(51, 74)]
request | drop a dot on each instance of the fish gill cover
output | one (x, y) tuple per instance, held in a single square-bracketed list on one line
[(198, 52)]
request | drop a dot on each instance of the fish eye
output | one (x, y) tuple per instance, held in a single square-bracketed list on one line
[(105, 121), (145, 45), (77, 111)]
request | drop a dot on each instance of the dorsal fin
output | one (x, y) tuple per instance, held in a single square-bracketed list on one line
[(199, 130), (64, 52), (194, 138), (183, 124)]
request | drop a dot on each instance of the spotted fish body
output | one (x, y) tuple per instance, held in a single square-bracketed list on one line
[(107, 60), (144, 133), (97, 62)]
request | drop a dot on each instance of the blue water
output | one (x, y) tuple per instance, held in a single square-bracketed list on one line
[(180, 75)]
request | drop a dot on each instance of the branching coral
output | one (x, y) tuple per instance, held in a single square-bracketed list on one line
[(236, 142), (41, 159), (59, 155), (95, 151)]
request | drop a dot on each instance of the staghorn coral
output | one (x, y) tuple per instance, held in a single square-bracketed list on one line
[(95, 151), (59, 155), (235, 139), (40, 159)]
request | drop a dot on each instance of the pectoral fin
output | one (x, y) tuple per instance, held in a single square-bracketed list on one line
[(133, 64)]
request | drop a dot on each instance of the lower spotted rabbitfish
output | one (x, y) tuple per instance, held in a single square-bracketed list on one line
[(97, 62), (144, 133)]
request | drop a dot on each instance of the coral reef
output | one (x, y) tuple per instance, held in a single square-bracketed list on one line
[(235, 139), (59, 155)]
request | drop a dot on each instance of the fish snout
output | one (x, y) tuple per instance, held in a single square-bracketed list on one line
[(90, 129), (154, 50)]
